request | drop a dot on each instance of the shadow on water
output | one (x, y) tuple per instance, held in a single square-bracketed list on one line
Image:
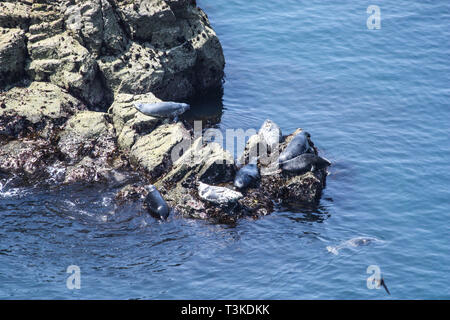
[(301, 212), (206, 107)]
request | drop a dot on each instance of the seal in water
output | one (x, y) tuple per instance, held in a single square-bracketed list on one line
[(354, 242), (298, 145), (166, 109), (156, 203), (305, 162), (246, 176), (219, 195)]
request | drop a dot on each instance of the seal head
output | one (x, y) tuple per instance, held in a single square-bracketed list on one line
[(246, 176)]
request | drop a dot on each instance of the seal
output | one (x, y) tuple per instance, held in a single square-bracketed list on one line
[(156, 204), (246, 176), (305, 162), (165, 109), (218, 195), (270, 133), (298, 145), (354, 242)]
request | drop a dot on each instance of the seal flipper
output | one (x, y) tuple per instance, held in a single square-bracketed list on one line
[(384, 286)]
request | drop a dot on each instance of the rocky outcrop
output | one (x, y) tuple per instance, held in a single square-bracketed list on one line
[(12, 55), (96, 49), (152, 152), (36, 108), (71, 72), (129, 123)]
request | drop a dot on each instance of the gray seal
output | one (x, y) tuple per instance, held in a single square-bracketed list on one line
[(156, 203), (218, 195), (166, 109), (246, 176), (353, 243), (270, 134), (305, 162), (298, 145)]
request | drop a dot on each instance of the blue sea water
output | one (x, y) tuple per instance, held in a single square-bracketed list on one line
[(376, 103)]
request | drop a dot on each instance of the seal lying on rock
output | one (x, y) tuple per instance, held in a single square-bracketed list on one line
[(166, 109), (305, 162), (218, 195), (246, 176), (156, 203), (299, 145)]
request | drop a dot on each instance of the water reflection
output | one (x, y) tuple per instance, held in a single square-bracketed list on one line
[(207, 107), (301, 212)]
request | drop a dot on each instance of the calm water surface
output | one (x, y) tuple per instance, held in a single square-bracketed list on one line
[(376, 103)]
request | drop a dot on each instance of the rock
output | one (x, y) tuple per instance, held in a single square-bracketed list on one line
[(256, 203), (88, 133), (26, 157), (174, 55), (38, 107), (152, 152), (130, 193), (12, 55), (142, 17), (63, 61), (208, 163), (14, 14), (89, 170), (96, 26), (98, 48), (305, 188)]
